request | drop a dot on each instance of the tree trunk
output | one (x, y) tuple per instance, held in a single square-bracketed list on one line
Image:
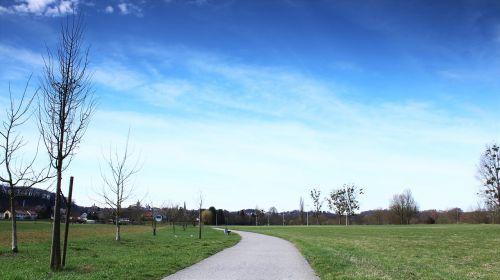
[(68, 218), (13, 220), (118, 237), (199, 217), (55, 256)]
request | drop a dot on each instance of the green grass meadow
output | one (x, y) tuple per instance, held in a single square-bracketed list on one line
[(94, 254), (396, 252)]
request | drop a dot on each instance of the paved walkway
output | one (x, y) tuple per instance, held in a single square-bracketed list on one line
[(256, 256)]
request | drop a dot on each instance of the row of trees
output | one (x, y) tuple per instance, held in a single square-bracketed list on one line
[(261, 217), (63, 105), (344, 202)]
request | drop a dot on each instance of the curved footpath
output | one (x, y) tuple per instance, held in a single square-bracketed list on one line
[(256, 256)]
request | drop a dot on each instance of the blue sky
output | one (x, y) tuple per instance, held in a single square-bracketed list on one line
[(257, 102)]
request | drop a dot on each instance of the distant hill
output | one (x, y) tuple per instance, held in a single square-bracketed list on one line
[(34, 199)]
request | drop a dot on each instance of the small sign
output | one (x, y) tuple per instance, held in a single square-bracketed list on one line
[(158, 218)]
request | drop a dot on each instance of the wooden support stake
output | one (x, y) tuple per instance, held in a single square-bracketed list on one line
[(68, 215)]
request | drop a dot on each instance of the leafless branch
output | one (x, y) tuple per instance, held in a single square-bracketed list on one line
[(65, 108), (19, 171), (117, 179)]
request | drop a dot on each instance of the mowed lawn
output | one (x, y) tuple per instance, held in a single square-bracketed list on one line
[(396, 252), (94, 254)]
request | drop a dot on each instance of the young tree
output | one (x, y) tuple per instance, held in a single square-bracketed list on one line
[(301, 210), (200, 204), (351, 194), (336, 202), (18, 173), (317, 203), (344, 201), (118, 187), (404, 206), (173, 212), (184, 216), (65, 110), (488, 173)]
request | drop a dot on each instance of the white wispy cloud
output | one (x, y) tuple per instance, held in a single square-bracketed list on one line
[(17, 63), (4, 10), (109, 10), (116, 76), (166, 92), (20, 55), (51, 8), (56, 8), (273, 130), (126, 8), (277, 130), (231, 154)]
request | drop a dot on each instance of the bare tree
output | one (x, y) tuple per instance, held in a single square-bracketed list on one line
[(301, 210), (200, 204), (18, 173), (65, 110), (317, 202), (404, 206), (118, 187), (488, 173), (173, 212), (184, 215)]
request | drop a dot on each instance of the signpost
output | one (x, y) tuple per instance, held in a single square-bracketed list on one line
[(156, 219)]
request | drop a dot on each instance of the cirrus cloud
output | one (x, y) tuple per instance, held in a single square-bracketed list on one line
[(51, 8)]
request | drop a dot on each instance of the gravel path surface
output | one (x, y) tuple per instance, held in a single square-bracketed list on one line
[(256, 256)]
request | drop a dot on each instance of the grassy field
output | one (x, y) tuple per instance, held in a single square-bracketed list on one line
[(396, 252), (93, 253)]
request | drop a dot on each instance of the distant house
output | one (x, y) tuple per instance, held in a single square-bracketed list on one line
[(21, 215), (148, 215)]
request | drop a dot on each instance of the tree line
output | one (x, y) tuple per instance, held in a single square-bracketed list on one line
[(62, 107)]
